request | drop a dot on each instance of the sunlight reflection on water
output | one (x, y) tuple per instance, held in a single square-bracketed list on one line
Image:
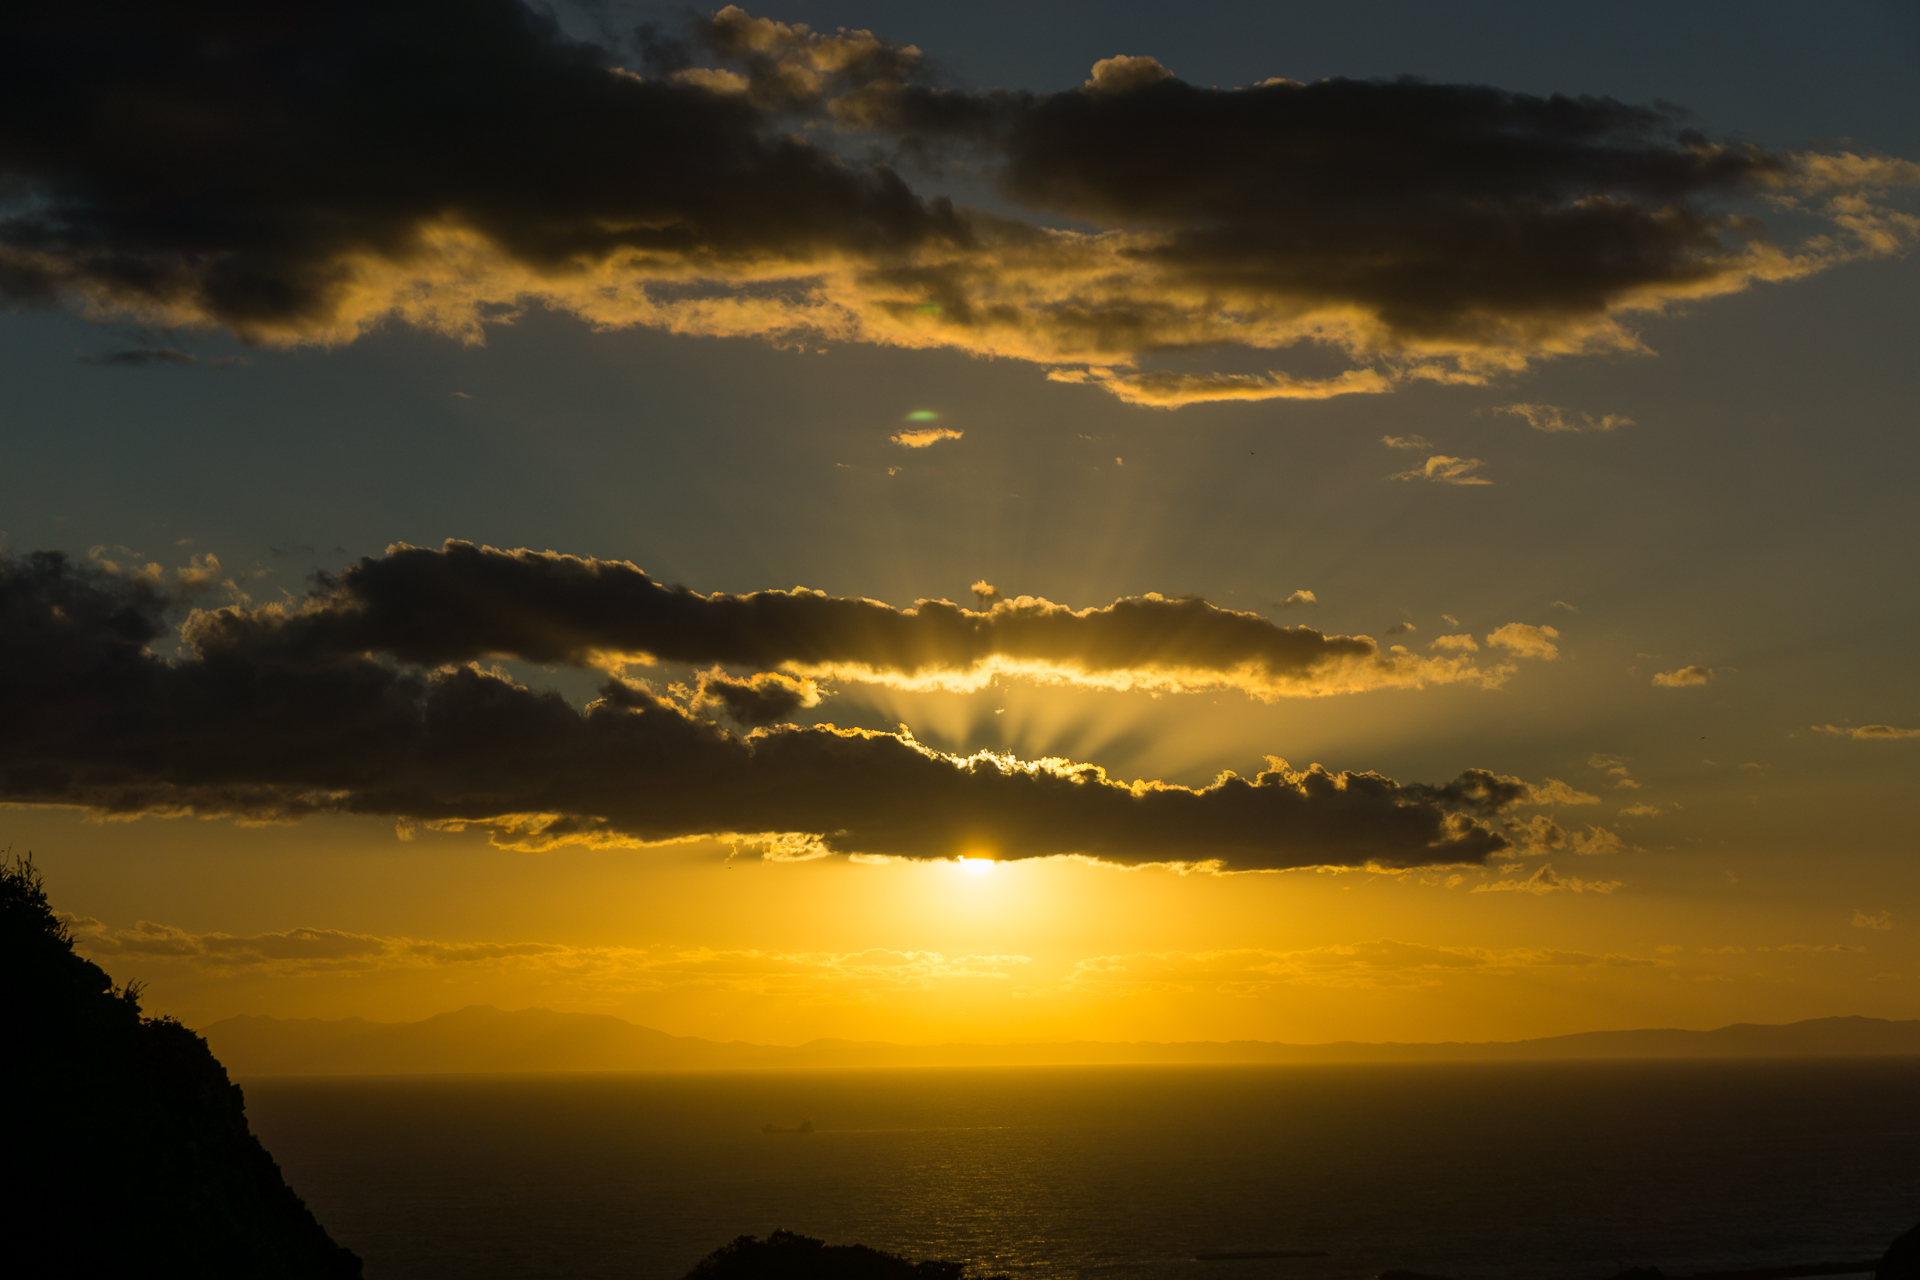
[(1482, 1172)]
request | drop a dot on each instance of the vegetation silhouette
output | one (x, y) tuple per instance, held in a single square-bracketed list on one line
[(787, 1256), (128, 1147)]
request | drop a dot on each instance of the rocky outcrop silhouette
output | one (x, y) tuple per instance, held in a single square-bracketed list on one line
[(786, 1256), (1902, 1258), (128, 1150)]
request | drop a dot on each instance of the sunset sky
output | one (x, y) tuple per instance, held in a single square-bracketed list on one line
[(969, 522)]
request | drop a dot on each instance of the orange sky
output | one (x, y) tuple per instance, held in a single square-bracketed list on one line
[(1550, 614)]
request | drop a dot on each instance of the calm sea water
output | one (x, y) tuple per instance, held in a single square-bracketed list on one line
[(1481, 1172)]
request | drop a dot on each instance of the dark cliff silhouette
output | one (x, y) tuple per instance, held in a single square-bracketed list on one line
[(786, 1256), (128, 1150)]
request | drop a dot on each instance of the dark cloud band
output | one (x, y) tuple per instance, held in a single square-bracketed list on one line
[(465, 602), (302, 171), (97, 719)]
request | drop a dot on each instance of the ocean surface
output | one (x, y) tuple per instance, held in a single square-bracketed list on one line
[(1551, 1171)]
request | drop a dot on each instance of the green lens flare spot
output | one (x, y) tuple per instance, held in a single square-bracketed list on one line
[(928, 309), (923, 415)]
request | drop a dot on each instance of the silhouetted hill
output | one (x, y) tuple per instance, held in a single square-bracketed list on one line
[(482, 1038), (128, 1152)]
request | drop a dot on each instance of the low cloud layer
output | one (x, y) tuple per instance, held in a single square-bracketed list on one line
[(464, 603), (629, 970), (375, 710), (289, 177)]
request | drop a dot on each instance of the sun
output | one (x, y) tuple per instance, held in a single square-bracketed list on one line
[(976, 866)]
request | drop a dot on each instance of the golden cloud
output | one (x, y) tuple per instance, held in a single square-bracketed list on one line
[(1868, 732), (1526, 641), (1441, 469), (1426, 232), (1546, 880), (1552, 418), (922, 437)]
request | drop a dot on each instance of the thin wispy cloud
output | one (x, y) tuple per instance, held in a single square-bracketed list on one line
[(140, 357), (1545, 881), (309, 951), (1552, 418), (1615, 767), (1683, 677), (1868, 732), (1442, 469), (922, 437)]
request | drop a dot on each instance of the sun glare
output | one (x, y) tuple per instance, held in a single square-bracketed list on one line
[(976, 866)]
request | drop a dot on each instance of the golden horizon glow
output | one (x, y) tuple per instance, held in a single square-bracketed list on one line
[(799, 602)]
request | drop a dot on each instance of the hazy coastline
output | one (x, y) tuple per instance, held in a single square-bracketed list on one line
[(481, 1038)]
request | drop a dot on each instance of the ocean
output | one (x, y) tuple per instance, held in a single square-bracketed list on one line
[(1538, 1171)]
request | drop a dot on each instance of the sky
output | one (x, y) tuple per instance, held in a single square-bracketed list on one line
[(987, 523)]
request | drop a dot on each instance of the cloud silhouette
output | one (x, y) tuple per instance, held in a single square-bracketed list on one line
[(266, 722), (304, 174), (759, 699)]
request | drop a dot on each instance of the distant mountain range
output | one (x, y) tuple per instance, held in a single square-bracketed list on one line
[(482, 1038)]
